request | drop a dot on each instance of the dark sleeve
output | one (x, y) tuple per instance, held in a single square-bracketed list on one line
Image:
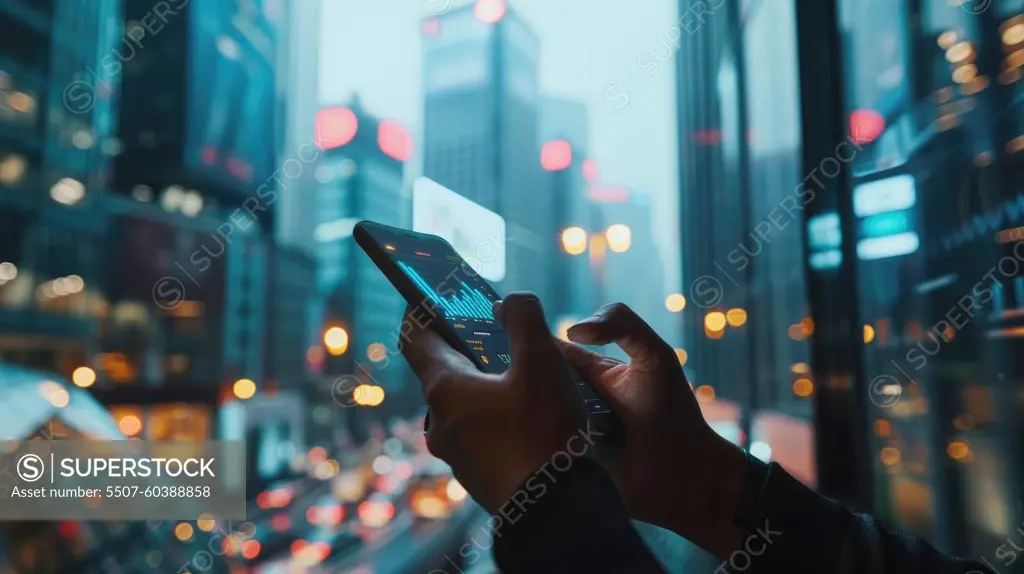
[(806, 532), (570, 521)]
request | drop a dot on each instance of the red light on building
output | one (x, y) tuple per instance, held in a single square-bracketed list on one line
[(280, 522), (239, 168), (490, 11), (590, 170), (67, 529), (603, 194), (335, 127), (250, 549), (209, 155), (394, 140), (866, 126), (556, 155), (431, 27), (708, 137)]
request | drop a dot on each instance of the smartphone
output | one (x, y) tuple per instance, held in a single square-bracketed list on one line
[(430, 274)]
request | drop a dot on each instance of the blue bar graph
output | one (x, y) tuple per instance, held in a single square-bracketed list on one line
[(466, 302)]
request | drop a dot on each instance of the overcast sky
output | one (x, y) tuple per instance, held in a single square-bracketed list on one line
[(588, 47)]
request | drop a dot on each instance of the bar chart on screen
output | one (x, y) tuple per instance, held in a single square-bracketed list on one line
[(467, 301)]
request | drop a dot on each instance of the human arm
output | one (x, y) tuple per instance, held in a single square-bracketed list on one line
[(674, 471)]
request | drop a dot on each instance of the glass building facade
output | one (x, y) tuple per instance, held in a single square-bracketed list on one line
[(742, 214), (934, 90), (875, 252)]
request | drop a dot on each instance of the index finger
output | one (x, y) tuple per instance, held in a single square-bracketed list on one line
[(619, 324)]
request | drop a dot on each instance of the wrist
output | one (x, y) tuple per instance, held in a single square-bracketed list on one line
[(705, 512)]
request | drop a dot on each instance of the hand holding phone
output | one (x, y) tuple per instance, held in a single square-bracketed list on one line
[(507, 436), (432, 276)]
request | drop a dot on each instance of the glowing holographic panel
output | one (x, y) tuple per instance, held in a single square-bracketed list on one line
[(891, 194), (476, 233)]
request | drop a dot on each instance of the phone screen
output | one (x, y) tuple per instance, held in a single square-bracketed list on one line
[(455, 293)]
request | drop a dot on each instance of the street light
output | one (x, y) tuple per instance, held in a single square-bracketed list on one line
[(83, 377), (736, 317), (336, 340), (368, 395), (619, 237), (244, 388), (715, 321), (675, 302), (574, 240), (616, 237)]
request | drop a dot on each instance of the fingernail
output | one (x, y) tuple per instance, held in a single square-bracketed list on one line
[(496, 309)]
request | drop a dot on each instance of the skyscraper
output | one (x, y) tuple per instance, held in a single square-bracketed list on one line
[(361, 177), (576, 197), (564, 118), (300, 77), (480, 124), (56, 128), (635, 276), (710, 223)]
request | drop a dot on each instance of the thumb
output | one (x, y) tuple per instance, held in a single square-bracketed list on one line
[(523, 317)]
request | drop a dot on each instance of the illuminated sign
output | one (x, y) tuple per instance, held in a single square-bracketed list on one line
[(335, 127), (883, 224), (476, 233), (394, 140), (605, 194), (889, 246), (335, 230), (891, 194), (556, 155), (887, 228), (992, 220), (822, 260), (823, 231), (232, 100), (824, 238)]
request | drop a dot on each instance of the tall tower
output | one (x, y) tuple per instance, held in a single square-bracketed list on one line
[(709, 222), (361, 177), (299, 80), (568, 176), (480, 124)]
